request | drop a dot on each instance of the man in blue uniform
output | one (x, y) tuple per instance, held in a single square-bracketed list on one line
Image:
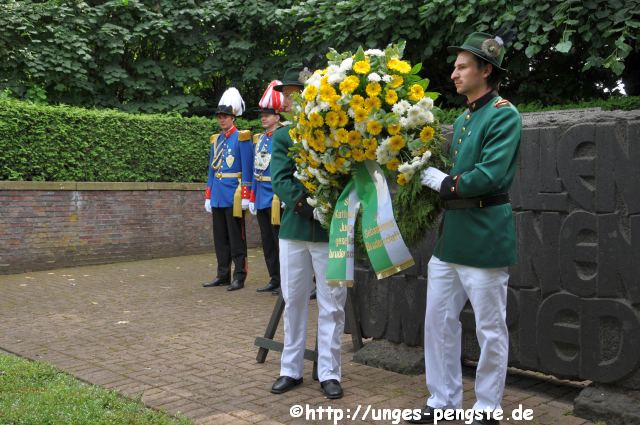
[(263, 204), (228, 190)]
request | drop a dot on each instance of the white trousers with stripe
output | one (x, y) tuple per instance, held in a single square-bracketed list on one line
[(449, 287), (299, 261)]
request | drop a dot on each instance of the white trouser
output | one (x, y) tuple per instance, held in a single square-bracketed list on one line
[(449, 287), (299, 261)]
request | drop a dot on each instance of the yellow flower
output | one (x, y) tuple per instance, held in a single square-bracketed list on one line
[(354, 138), (374, 127), (334, 141), (316, 120), (370, 144), (310, 93), (373, 89), (344, 118), (362, 67), (402, 67), (330, 167), (310, 186), (342, 135), (349, 84), (372, 102), (402, 179), (332, 119), (361, 115), (427, 134), (416, 92), (335, 106), (358, 155), (293, 133), (396, 81), (340, 162), (302, 118), (356, 101), (371, 154), (396, 143), (393, 129), (327, 92), (391, 97), (393, 164)]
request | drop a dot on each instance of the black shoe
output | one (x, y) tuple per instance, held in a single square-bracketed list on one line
[(426, 417), (313, 294), (275, 291), (331, 388), (236, 284), (269, 288), (218, 281), (284, 384)]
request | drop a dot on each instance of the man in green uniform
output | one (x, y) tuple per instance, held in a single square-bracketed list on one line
[(304, 251), (477, 240)]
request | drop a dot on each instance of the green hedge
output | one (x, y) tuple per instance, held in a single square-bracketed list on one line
[(60, 143)]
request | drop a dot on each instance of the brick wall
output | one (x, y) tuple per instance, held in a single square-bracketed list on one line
[(45, 225)]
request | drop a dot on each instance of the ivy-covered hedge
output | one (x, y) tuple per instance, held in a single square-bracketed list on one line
[(60, 143)]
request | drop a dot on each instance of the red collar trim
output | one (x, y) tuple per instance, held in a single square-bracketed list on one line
[(230, 132)]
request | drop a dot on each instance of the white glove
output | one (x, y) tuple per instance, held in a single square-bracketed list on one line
[(245, 204), (432, 177), (252, 208), (207, 205), (319, 215)]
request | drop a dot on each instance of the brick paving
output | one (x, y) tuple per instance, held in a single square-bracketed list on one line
[(149, 330)]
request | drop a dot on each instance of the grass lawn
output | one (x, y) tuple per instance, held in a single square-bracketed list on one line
[(36, 393)]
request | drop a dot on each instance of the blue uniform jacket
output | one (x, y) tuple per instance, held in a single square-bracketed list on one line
[(261, 190), (231, 154)]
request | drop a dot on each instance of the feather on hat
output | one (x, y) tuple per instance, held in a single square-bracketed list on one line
[(231, 103)]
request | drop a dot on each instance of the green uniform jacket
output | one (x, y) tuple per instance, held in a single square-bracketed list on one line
[(484, 150), (292, 225)]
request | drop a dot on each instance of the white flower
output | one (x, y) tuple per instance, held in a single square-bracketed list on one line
[(374, 52), (374, 77), (346, 65), (404, 122), (315, 157), (323, 106), (360, 127), (386, 78), (309, 107), (312, 202), (425, 103), (401, 107), (426, 156), (336, 77), (301, 177), (351, 113), (414, 111), (429, 117), (305, 144), (314, 80)]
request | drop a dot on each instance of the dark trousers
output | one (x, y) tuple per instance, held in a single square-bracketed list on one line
[(269, 235), (230, 243)]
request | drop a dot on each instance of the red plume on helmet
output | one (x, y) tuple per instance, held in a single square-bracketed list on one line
[(271, 101)]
